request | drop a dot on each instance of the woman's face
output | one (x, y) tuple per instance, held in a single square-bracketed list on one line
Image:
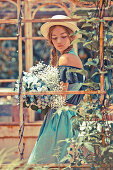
[(60, 38)]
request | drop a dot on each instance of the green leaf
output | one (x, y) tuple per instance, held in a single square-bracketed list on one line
[(77, 40), (83, 72), (94, 74), (65, 140), (111, 60), (111, 150), (102, 72), (105, 149), (68, 157), (101, 20), (25, 105), (109, 67), (34, 107), (89, 146), (95, 37), (82, 20), (84, 32), (93, 62), (92, 19), (111, 42), (111, 80), (80, 139), (86, 25), (88, 42), (110, 33), (91, 84), (99, 114)]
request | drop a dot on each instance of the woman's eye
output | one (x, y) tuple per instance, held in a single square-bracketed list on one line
[(64, 37), (54, 38)]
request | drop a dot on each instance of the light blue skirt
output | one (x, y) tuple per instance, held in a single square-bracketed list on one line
[(54, 128)]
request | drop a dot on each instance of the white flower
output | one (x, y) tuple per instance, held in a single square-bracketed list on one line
[(24, 78), (44, 88), (39, 106), (43, 107), (38, 101), (42, 103), (39, 89), (43, 78), (38, 84)]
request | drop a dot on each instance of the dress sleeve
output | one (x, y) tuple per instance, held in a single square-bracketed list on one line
[(74, 79)]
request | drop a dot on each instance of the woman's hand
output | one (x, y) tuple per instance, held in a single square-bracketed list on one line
[(65, 87)]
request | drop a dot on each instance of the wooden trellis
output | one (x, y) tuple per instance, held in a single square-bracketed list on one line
[(28, 19)]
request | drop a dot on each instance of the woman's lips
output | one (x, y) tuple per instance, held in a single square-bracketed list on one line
[(59, 46)]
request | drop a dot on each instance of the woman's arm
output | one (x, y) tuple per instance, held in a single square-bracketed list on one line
[(65, 87), (63, 61)]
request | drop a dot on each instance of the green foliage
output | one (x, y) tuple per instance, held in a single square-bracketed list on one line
[(90, 120), (83, 72), (91, 40)]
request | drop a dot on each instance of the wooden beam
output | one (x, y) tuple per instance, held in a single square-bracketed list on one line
[(23, 38), (7, 80), (8, 21), (11, 1), (15, 21), (12, 93)]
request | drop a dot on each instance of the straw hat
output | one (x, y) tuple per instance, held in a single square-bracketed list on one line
[(45, 27)]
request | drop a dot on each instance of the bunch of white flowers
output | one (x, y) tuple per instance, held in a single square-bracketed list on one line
[(41, 77)]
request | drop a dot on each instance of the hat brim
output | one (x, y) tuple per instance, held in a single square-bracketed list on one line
[(45, 27)]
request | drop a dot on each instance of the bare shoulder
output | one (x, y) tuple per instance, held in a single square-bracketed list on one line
[(70, 60)]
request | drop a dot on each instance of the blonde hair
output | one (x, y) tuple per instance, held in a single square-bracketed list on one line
[(54, 56)]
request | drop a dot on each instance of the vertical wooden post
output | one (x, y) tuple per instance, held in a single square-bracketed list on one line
[(73, 8), (28, 46), (20, 60), (101, 62), (28, 34), (101, 51)]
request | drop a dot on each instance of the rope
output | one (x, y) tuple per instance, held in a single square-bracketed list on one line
[(21, 130)]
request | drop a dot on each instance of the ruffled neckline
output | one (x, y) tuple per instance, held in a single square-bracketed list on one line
[(69, 66)]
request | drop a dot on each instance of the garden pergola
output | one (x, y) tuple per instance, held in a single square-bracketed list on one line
[(26, 16)]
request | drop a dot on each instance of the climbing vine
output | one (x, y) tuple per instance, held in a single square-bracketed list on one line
[(91, 120)]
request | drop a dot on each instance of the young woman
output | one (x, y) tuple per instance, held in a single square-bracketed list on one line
[(47, 149)]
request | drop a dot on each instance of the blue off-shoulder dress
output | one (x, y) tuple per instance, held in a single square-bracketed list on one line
[(58, 127)]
